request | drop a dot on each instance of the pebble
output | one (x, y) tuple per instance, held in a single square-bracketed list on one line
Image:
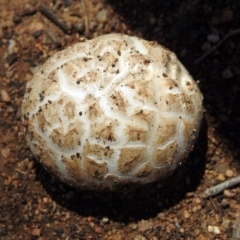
[(5, 152), (45, 200), (186, 214), (161, 215), (197, 231), (229, 193), (139, 237), (36, 232), (221, 177), (105, 219), (196, 208), (229, 173), (12, 47), (133, 225), (35, 69), (177, 225), (5, 97), (213, 38), (10, 109), (227, 73), (101, 16), (181, 230), (144, 225), (213, 229)]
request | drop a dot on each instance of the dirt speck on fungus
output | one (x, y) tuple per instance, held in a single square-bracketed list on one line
[(34, 205)]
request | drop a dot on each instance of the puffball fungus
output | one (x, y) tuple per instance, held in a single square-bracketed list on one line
[(112, 111)]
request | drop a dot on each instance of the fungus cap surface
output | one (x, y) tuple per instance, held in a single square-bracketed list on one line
[(110, 111)]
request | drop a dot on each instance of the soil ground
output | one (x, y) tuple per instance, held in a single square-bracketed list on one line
[(34, 205)]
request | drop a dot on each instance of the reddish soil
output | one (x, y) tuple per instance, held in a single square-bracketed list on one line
[(34, 205)]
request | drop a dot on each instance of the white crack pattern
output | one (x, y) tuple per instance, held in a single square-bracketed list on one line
[(112, 110)]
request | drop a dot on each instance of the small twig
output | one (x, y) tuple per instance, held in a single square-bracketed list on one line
[(221, 187), (86, 21), (48, 13), (230, 34)]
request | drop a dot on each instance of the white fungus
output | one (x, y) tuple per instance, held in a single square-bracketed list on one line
[(111, 111)]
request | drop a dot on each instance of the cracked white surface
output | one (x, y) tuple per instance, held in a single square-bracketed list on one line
[(112, 110)]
